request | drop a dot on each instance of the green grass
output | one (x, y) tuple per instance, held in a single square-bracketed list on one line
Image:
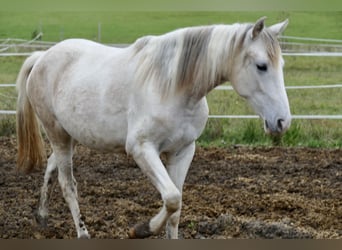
[(126, 27), (308, 133), (312, 70)]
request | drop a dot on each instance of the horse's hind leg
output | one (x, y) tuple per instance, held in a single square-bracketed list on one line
[(43, 203), (67, 182)]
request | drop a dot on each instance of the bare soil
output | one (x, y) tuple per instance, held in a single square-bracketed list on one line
[(233, 192)]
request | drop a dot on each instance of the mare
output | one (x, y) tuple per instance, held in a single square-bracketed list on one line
[(147, 99)]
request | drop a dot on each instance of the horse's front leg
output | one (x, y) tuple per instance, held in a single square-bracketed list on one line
[(147, 157), (178, 166)]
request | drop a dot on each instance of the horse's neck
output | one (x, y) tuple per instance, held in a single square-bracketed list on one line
[(191, 61), (214, 66)]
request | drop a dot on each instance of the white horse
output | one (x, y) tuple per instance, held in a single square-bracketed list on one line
[(146, 99)]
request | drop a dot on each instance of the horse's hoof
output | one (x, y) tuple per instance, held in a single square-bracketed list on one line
[(131, 233), (140, 231), (84, 237), (41, 221)]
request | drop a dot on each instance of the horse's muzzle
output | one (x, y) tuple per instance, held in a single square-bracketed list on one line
[(277, 127)]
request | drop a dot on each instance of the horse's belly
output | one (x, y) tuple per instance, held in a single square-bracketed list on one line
[(97, 131), (105, 140), (109, 141)]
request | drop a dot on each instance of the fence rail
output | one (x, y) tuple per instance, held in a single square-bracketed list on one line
[(311, 39), (331, 86), (291, 46), (297, 117)]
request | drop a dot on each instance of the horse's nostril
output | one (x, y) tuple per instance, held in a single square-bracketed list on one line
[(280, 125), (266, 124)]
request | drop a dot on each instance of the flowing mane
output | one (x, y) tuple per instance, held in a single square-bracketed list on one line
[(195, 59)]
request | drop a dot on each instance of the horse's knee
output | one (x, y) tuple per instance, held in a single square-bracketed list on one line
[(174, 218), (173, 202)]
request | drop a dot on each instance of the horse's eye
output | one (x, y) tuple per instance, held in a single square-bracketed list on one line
[(262, 67)]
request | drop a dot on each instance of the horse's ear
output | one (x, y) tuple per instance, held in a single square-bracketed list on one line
[(278, 29), (258, 27)]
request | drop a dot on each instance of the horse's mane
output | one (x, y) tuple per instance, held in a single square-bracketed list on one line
[(192, 58), (272, 45)]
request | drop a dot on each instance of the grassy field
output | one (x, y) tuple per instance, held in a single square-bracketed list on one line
[(125, 27)]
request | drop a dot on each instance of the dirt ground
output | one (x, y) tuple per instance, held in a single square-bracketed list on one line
[(235, 192)]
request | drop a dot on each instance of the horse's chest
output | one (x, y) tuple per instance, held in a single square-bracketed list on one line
[(169, 126), (168, 132), (176, 135)]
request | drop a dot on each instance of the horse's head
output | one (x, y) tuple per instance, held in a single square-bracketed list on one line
[(257, 75)]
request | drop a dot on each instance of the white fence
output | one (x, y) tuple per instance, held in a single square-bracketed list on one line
[(290, 46), (19, 47)]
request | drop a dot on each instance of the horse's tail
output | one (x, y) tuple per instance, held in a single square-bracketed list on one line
[(31, 151)]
